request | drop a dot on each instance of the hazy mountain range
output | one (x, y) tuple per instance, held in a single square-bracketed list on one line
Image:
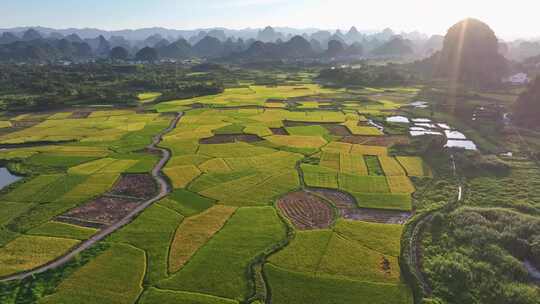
[(172, 34), (41, 43)]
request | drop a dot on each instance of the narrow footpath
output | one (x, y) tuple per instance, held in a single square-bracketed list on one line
[(164, 190)]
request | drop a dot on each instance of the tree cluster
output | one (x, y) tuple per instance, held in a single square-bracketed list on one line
[(476, 256), (367, 75), (527, 108), (39, 87)]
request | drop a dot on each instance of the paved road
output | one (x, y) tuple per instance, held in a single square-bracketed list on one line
[(164, 189)]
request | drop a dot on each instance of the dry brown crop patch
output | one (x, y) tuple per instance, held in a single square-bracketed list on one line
[(279, 131), (141, 186), (338, 130), (102, 211), (230, 138), (306, 211)]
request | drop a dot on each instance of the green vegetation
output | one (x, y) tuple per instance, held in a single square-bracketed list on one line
[(502, 238), (151, 232), (44, 87), (115, 276), (293, 287), (357, 254), (217, 237), (527, 106), (63, 230), (369, 76), (149, 96), (374, 165), (28, 252), (414, 166), (308, 131), (187, 203), (219, 268), (391, 201), (194, 233), (155, 296)]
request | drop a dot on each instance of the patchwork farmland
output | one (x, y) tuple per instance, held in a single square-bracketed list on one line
[(262, 203)]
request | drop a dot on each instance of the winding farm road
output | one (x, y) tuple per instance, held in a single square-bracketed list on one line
[(164, 189)]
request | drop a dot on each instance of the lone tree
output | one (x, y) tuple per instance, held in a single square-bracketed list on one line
[(470, 55), (527, 108), (119, 53), (147, 54)]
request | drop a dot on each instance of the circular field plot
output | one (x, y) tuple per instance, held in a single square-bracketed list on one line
[(306, 211), (340, 199)]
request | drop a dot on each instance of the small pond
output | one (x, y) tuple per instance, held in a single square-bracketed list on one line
[(419, 104), (374, 124), (398, 119), (454, 135), (444, 126), (6, 178), (421, 120), (422, 133), (455, 138), (462, 144)]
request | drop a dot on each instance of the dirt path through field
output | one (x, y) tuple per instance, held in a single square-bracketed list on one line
[(163, 187)]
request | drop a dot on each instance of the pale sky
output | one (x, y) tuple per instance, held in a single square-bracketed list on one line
[(509, 19)]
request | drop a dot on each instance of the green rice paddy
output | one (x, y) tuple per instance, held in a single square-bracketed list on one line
[(203, 242)]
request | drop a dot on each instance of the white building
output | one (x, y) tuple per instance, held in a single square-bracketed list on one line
[(517, 79)]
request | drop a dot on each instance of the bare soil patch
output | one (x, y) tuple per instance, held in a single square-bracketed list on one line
[(104, 210), (338, 130), (385, 265), (24, 123), (349, 210), (383, 141), (306, 211), (340, 199), (79, 222), (80, 114), (279, 131), (230, 138), (140, 186), (377, 216)]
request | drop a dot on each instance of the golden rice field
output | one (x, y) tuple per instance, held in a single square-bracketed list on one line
[(233, 156)]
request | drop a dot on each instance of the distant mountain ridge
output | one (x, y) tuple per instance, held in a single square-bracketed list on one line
[(43, 44), (174, 34), (47, 44)]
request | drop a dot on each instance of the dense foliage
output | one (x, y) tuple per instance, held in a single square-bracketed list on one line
[(30, 87), (367, 75), (474, 256), (527, 108)]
